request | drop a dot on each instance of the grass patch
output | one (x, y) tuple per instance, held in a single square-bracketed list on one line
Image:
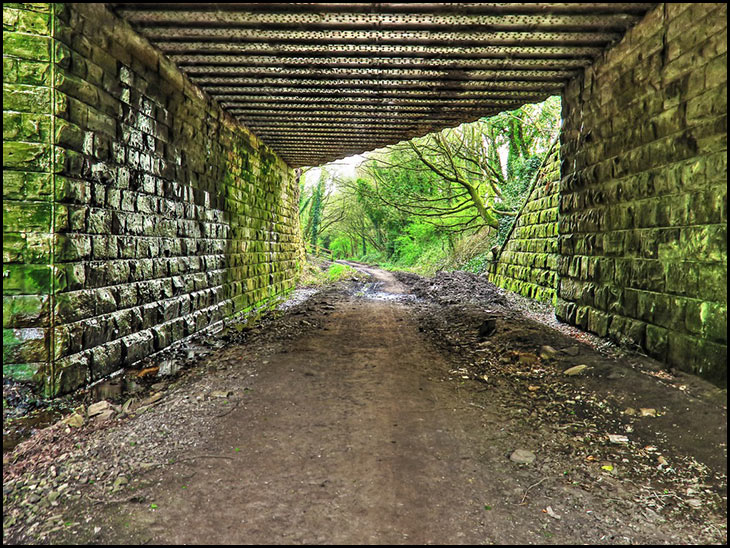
[(318, 272)]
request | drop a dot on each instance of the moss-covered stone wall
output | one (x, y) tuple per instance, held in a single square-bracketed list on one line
[(28, 174), (643, 195), (140, 213), (527, 262)]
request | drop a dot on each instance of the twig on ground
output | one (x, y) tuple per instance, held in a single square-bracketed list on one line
[(229, 410), (528, 489)]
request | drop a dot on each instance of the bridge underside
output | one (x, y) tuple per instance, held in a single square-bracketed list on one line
[(318, 82)]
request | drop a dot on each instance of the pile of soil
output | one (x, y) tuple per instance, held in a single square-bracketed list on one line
[(454, 287), (675, 423)]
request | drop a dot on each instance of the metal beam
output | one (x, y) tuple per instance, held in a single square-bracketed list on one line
[(319, 81)]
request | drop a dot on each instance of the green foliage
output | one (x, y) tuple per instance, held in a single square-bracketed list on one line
[(440, 201), (340, 247), (315, 210), (477, 264), (317, 273), (337, 272), (411, 245)]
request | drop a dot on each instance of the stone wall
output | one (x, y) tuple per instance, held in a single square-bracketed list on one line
[(141, 212), (643, 195), (527, 262), (28, 173)]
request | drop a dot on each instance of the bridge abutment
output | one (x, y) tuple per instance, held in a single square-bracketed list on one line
[(137, 212)]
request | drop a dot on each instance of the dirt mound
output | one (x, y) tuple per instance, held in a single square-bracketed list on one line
[(454, 287)]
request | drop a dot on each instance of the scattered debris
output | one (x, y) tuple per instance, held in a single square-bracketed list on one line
[(618, 438), (574, 371), (99, 407), (154, 398), (567, 423), (548, 353), (148, 371)]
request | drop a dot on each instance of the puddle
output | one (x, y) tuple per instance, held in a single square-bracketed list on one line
[(373, 290), (396, 297), (21, 428)]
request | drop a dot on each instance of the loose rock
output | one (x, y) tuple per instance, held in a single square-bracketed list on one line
[(99, 407), (76, 420), (577, 370), (548, 353), (522, 456), (618, 439)]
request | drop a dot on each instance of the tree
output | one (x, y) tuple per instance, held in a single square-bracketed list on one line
[(455, 179), (317, 209), (414, 201)]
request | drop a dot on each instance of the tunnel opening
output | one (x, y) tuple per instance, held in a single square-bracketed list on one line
[(147, 163), (152, 228)]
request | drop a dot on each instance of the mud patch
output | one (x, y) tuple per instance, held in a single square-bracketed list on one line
[(622, 419), (454, 287)]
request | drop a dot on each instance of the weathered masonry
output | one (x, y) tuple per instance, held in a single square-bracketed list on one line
[(136, 211), (148, 149), (632, 242), (527, 262), (643, 198)]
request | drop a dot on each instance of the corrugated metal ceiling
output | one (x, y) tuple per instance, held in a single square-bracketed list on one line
[(318, 82)]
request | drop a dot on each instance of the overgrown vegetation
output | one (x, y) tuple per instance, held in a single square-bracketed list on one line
[(437, 202), (318, 272)]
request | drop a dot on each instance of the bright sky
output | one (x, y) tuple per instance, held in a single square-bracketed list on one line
[(344, 168)]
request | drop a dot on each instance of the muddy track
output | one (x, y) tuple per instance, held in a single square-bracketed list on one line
[(364, 429)]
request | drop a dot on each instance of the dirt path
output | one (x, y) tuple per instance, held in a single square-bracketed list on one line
[(387, 282), (359, 430), (350, 437)]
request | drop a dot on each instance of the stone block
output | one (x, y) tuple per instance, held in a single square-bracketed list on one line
[(69, 374), (27, 46), (25, 345)]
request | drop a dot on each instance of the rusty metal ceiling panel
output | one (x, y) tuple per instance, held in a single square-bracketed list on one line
[(321, 81)]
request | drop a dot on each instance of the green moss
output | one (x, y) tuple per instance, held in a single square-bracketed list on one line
[(26, 279), (24, 372), (26, 21), (24, 345), (26, 216), (26, 156), (27, 46), (25, 311), (29, 127), (19, 185)]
